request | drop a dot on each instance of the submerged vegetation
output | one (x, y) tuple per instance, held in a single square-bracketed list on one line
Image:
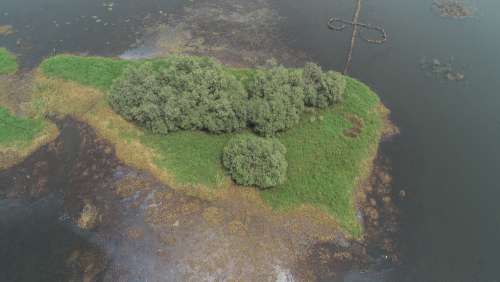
[(453, 8), (325, 165), (8, 63)]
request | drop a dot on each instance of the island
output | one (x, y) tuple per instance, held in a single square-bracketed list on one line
[(316, 132)]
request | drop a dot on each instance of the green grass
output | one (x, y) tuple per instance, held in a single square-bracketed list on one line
[(8, 63), (325, 166), (192, 157), (17, 132), (92, 71)]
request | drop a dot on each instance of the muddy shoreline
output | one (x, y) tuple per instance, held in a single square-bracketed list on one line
[(124, 217)]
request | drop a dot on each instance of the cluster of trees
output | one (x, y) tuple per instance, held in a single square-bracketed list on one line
[(187, 93), (198, 93), (195, 93)]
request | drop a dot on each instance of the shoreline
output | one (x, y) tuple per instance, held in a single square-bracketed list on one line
[(239, 221)]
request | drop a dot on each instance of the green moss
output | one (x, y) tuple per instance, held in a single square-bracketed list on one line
[(324, 164), (16, 132), (8, 63)]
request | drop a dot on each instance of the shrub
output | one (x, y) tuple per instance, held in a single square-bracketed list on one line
[(322, 89), (255, 161), (276, 100), (182, 93)]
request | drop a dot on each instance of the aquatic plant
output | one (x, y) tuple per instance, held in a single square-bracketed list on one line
[(453, 8), (255, 161), (6, 30)]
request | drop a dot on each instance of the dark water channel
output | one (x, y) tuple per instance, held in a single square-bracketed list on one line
[(445, 158)]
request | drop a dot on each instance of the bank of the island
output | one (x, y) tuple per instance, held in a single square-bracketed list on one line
[(329, 152), (19, 136)]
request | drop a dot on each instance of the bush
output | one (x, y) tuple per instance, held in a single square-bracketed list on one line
[(182, 93), (322, 89), (255, 161), (276, 100)]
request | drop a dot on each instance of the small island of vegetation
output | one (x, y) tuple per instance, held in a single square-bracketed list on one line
[(305, 136)]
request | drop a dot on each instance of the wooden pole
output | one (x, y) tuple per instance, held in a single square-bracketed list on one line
[(354, 35)]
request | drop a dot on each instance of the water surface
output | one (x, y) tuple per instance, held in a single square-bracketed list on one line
[(447, 156)]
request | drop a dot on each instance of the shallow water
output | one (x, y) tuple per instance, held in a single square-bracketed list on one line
[(446, 156), (44, 28)]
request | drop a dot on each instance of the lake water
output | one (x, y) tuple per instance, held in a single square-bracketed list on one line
[(446, 156)]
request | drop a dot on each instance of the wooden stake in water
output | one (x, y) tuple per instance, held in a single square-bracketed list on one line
[(333, 24), (353, 37)]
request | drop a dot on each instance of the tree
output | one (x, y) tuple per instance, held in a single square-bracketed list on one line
[(276, 100), (322, 89), (182, 93), (255, 161)]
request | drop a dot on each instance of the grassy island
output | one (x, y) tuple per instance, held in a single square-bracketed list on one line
[(329, 150)]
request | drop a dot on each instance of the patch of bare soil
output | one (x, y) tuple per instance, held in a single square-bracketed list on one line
[(237, 32), (357, 126), (15, 91)]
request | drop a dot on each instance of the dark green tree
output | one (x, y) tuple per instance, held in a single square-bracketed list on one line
[(181, 93), (276, 100), (322, 89), (255, 161)]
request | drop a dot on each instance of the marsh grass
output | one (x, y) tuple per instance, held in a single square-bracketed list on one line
[(20, 136), (325, 165), (8, 62)]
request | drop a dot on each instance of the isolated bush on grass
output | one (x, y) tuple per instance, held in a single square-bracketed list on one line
[(322, 89), (255, 161), (185, 93), (276, 100)]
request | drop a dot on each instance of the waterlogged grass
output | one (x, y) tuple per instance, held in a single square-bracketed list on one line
[(17, 132), (325, 165), (20, 136), (8, 63)]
